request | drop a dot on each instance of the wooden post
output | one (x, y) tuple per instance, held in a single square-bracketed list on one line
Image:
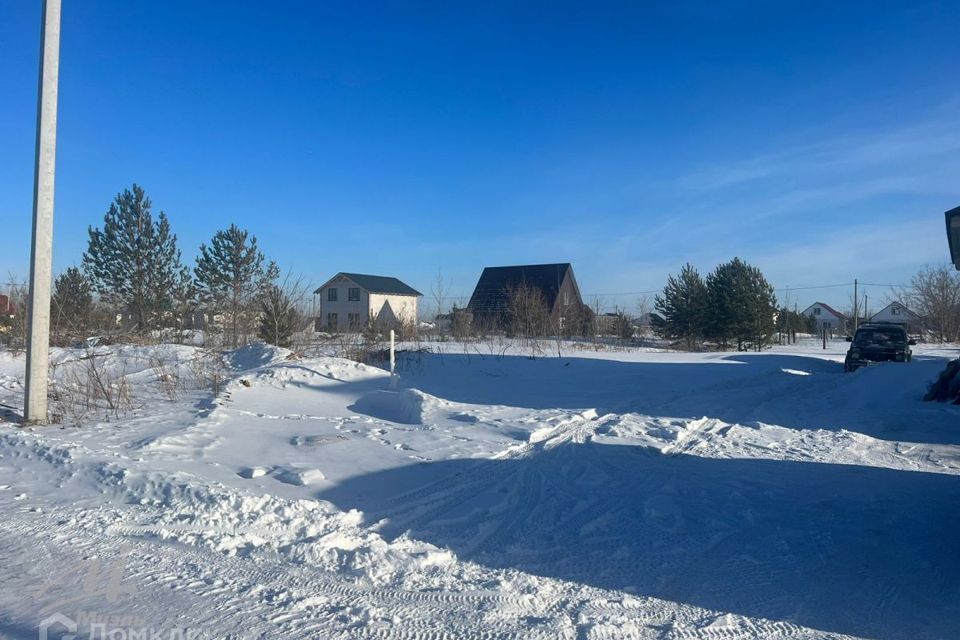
[(856, 307)]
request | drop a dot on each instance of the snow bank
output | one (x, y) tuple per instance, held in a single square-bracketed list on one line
[(407, 406)]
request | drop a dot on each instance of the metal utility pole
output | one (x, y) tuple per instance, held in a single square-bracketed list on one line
[(856, 307), (41, 254)]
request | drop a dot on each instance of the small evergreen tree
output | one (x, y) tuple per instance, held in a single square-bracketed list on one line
[(622, 326), (231, 274), (71, 305), (681, 308), (279, 318), (133, 262)]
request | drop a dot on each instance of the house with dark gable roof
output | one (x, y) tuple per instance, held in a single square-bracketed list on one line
[(351, 301), (494, 295)]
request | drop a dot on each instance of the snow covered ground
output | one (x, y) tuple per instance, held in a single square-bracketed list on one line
[(596, 495)]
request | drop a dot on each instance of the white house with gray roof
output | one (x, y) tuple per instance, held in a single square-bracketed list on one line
[(897, 313), (351, 301)]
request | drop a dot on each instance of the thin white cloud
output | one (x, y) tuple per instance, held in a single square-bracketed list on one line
[(905, 149)]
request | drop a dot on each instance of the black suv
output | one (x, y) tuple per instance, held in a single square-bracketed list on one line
[(878, 342)]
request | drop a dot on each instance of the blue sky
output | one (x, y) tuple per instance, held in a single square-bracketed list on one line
[(818, 140)]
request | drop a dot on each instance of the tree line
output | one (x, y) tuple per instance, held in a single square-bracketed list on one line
[(132, 279)]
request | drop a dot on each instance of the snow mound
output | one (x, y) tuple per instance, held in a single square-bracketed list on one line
[(306, 532), (407, 406), (256, 355), (298, 477)]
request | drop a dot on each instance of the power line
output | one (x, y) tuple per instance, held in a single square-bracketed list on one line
[(893, 286), (816, 286)]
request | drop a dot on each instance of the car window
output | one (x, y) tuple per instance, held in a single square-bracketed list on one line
[(880, 337)]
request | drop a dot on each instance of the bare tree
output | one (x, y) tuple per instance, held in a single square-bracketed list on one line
[(934, 294), (13, 326), (529, 316), (440, 291)]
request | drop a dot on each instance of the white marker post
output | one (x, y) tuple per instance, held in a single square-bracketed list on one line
[(41, 255), (393, 352), (393, 359)]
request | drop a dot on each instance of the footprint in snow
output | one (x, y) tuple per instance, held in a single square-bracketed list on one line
[(252, 472), (298, 477)]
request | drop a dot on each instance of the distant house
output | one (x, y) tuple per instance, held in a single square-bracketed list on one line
[(351, 301), (826, 316), (898, 313), (605, 323), (496, 291), (7, 308)]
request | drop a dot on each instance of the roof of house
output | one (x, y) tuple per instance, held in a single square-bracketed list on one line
[(376, 284), (828, 308), (493, 288), (896, 303)]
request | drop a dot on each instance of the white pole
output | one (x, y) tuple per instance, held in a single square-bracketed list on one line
[(393, 353), (41, 255)]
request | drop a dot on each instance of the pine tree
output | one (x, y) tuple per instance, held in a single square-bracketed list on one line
[(727, 295), (71, 305), (681, 309), (134, 262), (763, 309), (184, 299), (741, 306), (279, 318), (231, 274)]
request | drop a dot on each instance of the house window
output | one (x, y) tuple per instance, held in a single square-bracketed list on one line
[(895, 311), (566, 298), (332, 321), (353, 294), (332, 294), (353, 319), (816, 311)]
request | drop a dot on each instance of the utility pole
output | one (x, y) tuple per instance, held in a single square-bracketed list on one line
[(41, 253), (856, 307)]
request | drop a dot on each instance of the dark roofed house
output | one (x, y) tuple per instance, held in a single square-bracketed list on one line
[(351, 301), (492, 298)]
